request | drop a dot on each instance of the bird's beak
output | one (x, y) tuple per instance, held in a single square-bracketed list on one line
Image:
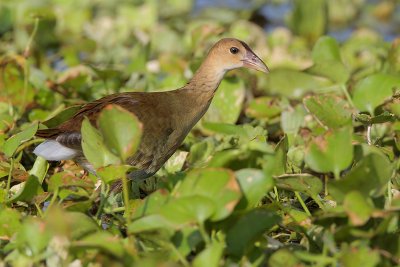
[(252, 61)]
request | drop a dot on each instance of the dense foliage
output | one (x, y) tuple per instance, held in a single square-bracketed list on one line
[(297, 167)]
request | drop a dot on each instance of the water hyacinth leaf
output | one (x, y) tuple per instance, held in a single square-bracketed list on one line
[(62, 116), (218, 185), (39, 168), (309, 19), (27, 190), (327, 60), (292, 119), (357, 208), (330, 152), (263, 107), (94, 148), (152, 203), (11, 145), (369, 177), (292, 83), (359, 255), (331, 111), (227, 103), (326, 49), (150, 222), (373, 90), (254, 184), (34, 235), (9, 222), (111, 173), (248, 229), (305, 183), (188, 210), (103, 241), (210, 256), (121, 130)]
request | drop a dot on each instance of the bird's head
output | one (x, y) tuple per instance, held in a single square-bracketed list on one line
[(230, 53)]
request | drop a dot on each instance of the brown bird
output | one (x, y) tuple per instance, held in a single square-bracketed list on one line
[(167, 117)]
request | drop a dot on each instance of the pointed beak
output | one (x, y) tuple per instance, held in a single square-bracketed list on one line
[(252, 61)]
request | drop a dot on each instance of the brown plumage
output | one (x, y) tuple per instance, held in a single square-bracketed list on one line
[(167, 117)]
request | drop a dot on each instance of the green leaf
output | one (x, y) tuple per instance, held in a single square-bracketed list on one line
[(293, 83), (149, 223), (330, 152), (263, 107), (304, 183), (9, 222), (94, 148), (218, 185), (188, 210), (309, 19), (103, 241), (111, 173), (254, 184), (121, 131), (326, 49), (62, 116), (369, 177), (329, 110), (227, 102), (373, 90), (357, 208), (28, 190), (210, 256), (39, 169), (249, 228), (11, 145)]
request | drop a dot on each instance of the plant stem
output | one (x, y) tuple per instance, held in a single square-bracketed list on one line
[(125, 193), (302, 203), (369, 141), (347, 95), (26, 66), (10, 175), (204, 234), (103, 196)]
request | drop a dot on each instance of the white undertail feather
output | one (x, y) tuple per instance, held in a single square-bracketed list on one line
[(53, 151)]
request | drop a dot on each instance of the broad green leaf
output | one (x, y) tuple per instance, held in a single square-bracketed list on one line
[(218, 185), (283, 258), (329, 110), (369, 177), (357, 207), (11, 145), (9, 222), (224, 128), (111, 173), (62, 116), (150, 222), (330, 152), (103, 241), (293, 83), (254, 184), (292, 119), (309, 19), (39, 169), (211, 256), (227, 102), (152, 203), (373, 90), (304, 183), (249, 228), (94, 148), (327, 60), (34, 236), (27, 190), (188, 210), (121, 131), (326, 49), (359, 255), (263, 107)]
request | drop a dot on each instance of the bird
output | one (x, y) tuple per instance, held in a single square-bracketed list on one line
[(167, 117)]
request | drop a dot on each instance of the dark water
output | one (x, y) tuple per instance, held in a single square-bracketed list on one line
[(276, 12)]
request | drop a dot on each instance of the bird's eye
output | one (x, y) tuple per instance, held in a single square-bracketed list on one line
[(234, 50)]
